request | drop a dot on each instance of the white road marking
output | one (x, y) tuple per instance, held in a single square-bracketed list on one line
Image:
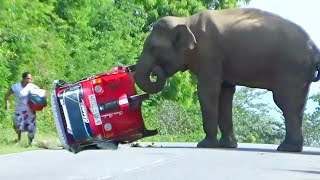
[(153, 163), (104, 177), (140, 167)]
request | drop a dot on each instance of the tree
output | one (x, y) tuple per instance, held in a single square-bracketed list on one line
[(252, 121), (311, 125), (70, 40)]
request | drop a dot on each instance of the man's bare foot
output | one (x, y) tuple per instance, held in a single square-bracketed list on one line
[(30, 141)]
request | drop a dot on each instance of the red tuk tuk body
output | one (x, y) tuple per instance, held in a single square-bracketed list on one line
[(100, 108)]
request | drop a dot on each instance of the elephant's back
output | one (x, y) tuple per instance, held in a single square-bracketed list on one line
[(255, 38), (246, 28), (249, 18)]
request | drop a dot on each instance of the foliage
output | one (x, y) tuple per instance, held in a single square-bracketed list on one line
[(175, 119), (252, 121), (311, 125), (73, 39)]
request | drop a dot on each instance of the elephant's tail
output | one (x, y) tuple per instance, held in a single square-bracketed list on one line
[(317, 78), (316, 53)]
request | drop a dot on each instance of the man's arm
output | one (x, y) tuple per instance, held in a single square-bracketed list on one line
[(6, 99)]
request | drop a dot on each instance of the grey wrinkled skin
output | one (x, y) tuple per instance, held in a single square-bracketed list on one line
[(225, 48)]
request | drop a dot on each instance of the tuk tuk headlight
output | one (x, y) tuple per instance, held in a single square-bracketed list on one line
[(98, 88)]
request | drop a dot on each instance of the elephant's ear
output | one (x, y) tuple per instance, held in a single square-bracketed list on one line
[(184, 38)]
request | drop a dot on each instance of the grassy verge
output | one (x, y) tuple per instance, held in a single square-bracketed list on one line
[(168, 138), (41, 141), (51, 141), (174, 123)]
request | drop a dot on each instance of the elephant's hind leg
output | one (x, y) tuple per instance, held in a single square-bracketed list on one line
[(225, 123), (291, 100)]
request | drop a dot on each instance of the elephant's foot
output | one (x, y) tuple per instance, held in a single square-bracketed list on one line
[(208, 143), (228, 142), (291, 146)]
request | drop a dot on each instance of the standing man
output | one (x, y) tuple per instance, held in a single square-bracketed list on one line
[(24, 119)]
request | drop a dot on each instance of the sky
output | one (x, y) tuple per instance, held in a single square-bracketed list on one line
[(305, 13)]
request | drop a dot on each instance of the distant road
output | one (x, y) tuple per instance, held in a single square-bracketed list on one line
[(164, 161)]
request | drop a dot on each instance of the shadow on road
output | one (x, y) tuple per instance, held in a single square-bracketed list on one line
[(247, 149), (305, 152), (300, 171)]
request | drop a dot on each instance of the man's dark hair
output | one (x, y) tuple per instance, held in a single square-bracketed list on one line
[(25, 74)]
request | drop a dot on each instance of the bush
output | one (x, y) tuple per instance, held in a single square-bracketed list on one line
[(173, 120)]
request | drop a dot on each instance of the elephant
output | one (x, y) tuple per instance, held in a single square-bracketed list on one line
[(233, 47)]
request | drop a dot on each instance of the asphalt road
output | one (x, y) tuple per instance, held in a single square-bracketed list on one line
[(163, 161)]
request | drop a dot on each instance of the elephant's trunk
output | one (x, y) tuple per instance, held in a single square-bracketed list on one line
[(142, 77)]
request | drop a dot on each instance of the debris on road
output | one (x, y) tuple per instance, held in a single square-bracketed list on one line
[(151, 145), (135, 145)]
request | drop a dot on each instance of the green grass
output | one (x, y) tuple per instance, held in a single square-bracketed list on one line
[(194, 137), (42, 141), (15, 148), (51, 141), (174, 127)]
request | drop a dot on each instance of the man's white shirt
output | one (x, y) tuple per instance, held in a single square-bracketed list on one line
[(21, 94)]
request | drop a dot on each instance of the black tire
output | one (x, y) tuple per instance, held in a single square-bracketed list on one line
[(110, 145), (75, 149), (60, 83), (131, 68)]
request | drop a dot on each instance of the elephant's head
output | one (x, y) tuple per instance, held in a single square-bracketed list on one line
[(163, 53)]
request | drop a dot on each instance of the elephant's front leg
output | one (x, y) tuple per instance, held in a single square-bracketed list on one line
[(225, 123), (208, 92)]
